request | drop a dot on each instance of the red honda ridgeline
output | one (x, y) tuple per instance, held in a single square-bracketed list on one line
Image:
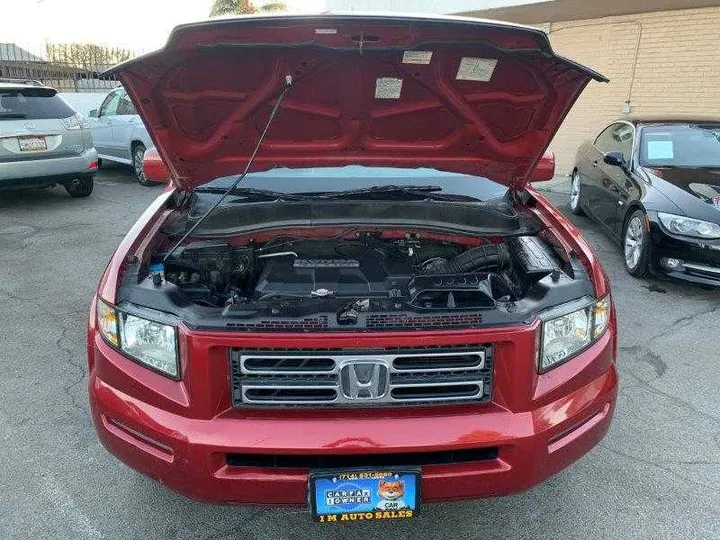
[(383, 305)]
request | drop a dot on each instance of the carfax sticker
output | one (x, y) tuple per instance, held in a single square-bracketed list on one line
[(476, 69), (417, 57), (388, 88)]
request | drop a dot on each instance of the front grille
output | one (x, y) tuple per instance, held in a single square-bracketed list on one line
[(349, 461), (366, 378)]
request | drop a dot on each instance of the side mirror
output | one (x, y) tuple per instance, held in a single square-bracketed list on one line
[(154, 167), (545, 168), (616, 159), (93, 113)]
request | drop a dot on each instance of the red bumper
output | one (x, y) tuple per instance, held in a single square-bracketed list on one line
[(158, 426)]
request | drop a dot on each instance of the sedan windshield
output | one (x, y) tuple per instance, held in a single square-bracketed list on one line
[(354, 180), (681, 145)]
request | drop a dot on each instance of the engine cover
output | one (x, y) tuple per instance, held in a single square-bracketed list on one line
[(287, 276)]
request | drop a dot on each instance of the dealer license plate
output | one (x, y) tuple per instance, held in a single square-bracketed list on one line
[(364, 494), (32, 144)]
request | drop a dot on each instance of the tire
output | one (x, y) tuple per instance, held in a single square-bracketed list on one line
[(138, 155), (575, 185), (80, 187), (636, 245)]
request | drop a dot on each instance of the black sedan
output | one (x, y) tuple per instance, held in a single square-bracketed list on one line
[(654, 185)]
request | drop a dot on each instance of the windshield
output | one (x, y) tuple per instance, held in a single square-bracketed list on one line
[(335, 179), (682, 145), (32, 104)]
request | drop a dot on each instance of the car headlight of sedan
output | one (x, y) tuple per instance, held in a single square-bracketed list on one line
[(686, 226), (570, 328), (147, 336)]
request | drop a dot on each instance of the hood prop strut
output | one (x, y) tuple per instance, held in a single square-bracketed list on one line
[(273, 113)]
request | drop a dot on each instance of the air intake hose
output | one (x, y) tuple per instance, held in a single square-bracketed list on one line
[(478, 258)]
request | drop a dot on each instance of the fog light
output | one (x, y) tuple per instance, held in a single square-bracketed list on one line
[(671, 264)]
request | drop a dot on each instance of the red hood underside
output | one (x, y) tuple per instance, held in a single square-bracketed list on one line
[(475, 97)]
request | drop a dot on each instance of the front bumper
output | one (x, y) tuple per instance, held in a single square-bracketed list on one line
[(700, 260), (573, 406), (35, 172)]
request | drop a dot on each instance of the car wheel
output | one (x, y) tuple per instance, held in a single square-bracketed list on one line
[(575, 194), (138, 155), (80, 187), (636, 245)]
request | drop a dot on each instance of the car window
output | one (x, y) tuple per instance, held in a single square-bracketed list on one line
[(623, 135), (604, 141), (32, 104), (110, 105), (681, 145), (617, 137), (125, 106)]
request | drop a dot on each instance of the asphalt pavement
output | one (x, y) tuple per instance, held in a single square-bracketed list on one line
[(656, 475)]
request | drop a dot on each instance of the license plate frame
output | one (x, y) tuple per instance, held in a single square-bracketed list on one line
[(361, 487), (32, 144)]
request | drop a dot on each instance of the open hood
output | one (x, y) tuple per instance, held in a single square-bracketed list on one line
[(464, 95)]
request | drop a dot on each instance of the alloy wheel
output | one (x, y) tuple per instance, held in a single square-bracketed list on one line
[(575, 191), (634, 239), (138, 164)]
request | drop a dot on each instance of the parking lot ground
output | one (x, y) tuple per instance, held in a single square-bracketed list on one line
[(656, 475)]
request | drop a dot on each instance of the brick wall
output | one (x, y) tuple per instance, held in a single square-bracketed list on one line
[(677, 69)]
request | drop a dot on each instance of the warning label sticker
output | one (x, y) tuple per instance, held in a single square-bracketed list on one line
[(388, 88), (417, 57), (476, 69)]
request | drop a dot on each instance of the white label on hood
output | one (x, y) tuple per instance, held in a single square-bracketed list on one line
[(476, 69), (417, 57), (388, 88)]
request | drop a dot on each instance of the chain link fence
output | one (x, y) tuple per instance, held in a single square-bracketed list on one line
[(68, 67)]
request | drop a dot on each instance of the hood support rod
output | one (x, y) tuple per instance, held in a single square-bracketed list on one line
[(273, 113)]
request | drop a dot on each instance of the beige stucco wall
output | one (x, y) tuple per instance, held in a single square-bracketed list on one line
[(677, 70)]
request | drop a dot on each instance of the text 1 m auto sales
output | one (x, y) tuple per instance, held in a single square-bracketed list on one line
[(360, 516)]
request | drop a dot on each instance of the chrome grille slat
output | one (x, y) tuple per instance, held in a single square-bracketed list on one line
[(449, 375)]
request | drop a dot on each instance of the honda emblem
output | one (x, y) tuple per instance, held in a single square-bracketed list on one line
[(364, 379)]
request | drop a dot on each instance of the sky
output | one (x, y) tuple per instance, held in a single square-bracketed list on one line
[(141, 25)]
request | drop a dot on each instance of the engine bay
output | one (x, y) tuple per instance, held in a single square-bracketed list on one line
[(348, 277)]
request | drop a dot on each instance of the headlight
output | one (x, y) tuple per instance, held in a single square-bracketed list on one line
[(570, 328), (77, 121), (150, 341), (686, 226)]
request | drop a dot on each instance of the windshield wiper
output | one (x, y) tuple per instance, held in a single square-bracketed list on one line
[(423, 192), (13, 115), (253, 193)]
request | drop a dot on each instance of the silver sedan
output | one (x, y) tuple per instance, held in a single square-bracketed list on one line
[(119, 134)]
